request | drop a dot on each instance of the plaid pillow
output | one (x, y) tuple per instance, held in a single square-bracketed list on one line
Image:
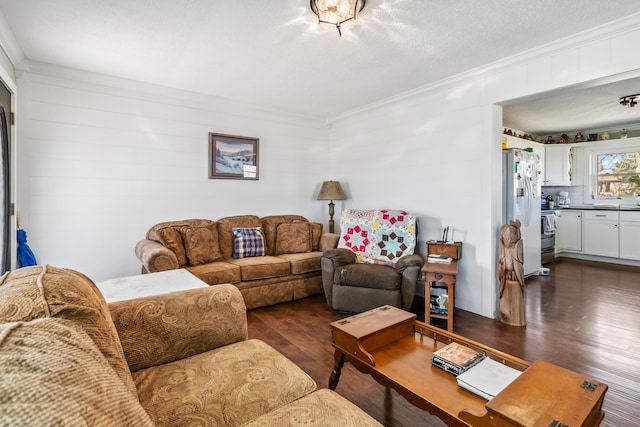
[(248, 242)]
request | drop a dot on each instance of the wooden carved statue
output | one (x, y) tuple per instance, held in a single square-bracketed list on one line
[(511, 273)]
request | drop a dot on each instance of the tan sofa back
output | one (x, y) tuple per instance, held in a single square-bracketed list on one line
[(171, 234), (225, 231), (200, 241), (48, 292)]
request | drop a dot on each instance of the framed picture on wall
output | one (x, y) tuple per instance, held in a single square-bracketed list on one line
[(233, 157)]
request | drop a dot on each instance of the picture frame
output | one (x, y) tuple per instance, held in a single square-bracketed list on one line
[(233, 157)]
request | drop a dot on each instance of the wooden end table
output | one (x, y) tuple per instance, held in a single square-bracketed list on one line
[(435, 273), (395, 349)]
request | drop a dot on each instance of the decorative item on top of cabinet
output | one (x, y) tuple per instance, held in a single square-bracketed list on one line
[(579, 137), (564, 139)]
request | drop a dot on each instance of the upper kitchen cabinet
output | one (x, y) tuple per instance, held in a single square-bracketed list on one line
[(558, 164)]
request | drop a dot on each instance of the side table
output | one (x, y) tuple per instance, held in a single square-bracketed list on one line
[(438, 275), (433, 274)]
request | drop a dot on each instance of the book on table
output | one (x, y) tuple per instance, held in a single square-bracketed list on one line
[(487, 378), (456, 358)]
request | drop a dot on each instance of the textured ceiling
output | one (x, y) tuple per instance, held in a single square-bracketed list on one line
[(273, 52)]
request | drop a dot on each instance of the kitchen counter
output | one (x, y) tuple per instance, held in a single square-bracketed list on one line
[(602, 208)]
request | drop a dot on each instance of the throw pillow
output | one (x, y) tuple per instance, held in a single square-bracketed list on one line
[(248, 242), (172, 239), (201, 245), (293, 237), (316, 235)]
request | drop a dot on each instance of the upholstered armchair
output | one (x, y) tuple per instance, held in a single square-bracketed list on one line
[(374, 263)]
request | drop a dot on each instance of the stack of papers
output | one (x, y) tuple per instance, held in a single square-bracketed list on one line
[(487, 378), (439, 259)]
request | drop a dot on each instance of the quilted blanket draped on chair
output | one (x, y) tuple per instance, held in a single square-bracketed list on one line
[(374, 263)]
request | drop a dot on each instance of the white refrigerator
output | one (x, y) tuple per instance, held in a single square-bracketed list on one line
[(521, 200)]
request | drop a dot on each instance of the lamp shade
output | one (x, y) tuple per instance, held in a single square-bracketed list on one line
[(331, 190)]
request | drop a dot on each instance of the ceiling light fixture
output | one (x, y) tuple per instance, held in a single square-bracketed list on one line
[(629, 101), (337, 12)]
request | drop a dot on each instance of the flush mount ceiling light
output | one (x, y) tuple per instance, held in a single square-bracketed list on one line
[(629, 101), (337, 12)]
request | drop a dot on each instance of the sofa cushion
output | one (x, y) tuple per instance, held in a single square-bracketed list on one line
[(368, 276), (225, 231), (320, 408), (217, 272), (201, 244), (270, 225), (263, 267), (316, 235), (172, 239), (306, 262), (51, 373), (248, 242), (230, 385), (44, 291), (293, 237)]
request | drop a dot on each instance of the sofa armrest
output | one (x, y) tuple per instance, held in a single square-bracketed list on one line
[(155, 257), (409, 267), (329, 241), (331, 260), (163, 328)]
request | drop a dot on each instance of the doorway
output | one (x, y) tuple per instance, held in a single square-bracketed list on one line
[(5, 174)]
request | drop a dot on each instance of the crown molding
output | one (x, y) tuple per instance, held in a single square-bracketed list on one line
[(8, 42), (613, 28)]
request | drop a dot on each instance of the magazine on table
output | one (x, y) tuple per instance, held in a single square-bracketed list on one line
[(487, 378)]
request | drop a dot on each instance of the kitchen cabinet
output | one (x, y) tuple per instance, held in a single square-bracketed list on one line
[(557, 164), (630, 235), (569, 231), (600, 233)]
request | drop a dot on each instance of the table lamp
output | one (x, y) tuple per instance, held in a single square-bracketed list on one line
[(331, 190)]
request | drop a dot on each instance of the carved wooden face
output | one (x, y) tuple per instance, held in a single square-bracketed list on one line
[(510, 233)]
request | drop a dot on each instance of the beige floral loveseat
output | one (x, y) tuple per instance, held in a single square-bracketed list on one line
[(287, 268), (179, 359)]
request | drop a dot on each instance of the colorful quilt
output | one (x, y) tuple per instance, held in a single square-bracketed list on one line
[(378, 236)]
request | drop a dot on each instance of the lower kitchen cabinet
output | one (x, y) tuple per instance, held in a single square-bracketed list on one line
[(569, 231), (630, 235), (600, 233)]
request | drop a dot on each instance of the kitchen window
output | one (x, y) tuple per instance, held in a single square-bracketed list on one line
[(616, 174)]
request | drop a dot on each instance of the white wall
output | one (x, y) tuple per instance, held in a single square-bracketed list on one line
[(436, 151), (105, 159)]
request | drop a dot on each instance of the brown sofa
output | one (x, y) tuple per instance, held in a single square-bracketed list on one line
[(289, 270), (178, 359)]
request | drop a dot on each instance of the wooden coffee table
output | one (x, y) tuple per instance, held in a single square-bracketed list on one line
[(395, 349)]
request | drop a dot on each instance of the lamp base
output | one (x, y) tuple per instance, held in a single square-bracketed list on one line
[(331, 221)]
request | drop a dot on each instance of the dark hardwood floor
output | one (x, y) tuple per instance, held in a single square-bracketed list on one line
[(584, 316)]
